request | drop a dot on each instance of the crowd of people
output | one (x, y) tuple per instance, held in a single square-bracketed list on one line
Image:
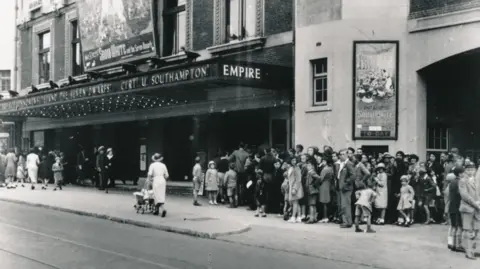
[(39, 166), (347, 186)]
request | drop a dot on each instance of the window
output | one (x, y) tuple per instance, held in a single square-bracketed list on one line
[(5, 84), (174, 26), (240, 17), (437, 139), (44, 57), (77, 61), (320, 82)]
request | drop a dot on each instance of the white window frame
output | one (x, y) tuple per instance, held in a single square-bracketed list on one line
[(319, 77), (220, 22), (242, 22), (447, 139), (69, 18), (176, 32), (46, 26)]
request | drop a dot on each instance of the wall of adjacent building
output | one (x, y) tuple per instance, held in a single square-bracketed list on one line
[(328, 28)]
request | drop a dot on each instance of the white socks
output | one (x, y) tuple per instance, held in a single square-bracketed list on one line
[(450, 240)]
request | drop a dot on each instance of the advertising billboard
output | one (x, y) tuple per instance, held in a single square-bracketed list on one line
[(115, 31)]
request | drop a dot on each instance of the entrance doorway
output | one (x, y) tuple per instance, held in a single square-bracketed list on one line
[(178, 151), (453, 95)]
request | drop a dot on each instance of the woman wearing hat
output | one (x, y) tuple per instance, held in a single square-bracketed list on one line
[(158, 174), (381, 201), (32, 163)]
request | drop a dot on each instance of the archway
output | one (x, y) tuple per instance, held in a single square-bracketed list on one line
[(453, 99)]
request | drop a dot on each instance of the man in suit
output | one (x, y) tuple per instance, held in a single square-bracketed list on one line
[(346, 177), (469, 209), (82, 166), (102, 169)]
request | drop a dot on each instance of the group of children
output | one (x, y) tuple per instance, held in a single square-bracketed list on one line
[(46, 170)]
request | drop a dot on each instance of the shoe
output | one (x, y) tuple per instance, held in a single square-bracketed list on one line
[(164, 213), (60, 187), (299, 219), (23, 186), (54, 189), (196, 203), (264, 215), (292, 220), (210, 202), (345, 226), (44, 188), (32, 188), (370, 231), (458, 249), (358, 230), (215, 203), (106, 191), (256, 215)]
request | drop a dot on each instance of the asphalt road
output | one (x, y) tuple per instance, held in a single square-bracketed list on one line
[(36, 238)]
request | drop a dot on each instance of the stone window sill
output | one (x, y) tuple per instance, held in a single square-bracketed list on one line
[(236, 45), (314, 109), (175, 57)]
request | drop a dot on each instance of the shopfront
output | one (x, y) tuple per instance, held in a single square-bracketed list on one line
[(181, 111)]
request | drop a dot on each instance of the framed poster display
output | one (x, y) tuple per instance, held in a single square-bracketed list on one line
[(375, 90)]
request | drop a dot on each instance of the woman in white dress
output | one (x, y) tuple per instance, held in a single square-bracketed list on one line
[(158, 174), (32, 167)]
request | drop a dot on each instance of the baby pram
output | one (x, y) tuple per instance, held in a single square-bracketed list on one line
[(145, 200)]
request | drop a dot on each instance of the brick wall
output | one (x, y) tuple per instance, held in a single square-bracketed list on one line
[(426, 8), (202, 24), (59, 57), (25, 68), (278, 16), (279, 55)]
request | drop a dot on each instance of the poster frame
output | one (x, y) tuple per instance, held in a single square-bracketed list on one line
[(354, 90), (132, 59)]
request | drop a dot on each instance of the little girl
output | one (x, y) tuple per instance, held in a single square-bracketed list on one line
[(57, 169), (21, 175), (211, 181), (405, 204), (295, 190)]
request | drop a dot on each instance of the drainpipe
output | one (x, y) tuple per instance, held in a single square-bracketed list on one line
[(15, 67), (292, 92)]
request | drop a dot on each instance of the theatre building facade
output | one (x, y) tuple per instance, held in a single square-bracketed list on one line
[(183, 78), (388, 75)]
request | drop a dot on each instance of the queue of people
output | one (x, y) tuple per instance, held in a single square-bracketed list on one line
[(346, 187)]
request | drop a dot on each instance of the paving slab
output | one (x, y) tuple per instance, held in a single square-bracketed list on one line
[(118, 207)]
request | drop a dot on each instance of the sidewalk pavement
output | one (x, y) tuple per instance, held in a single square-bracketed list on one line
[(391, 247), (182, 216)]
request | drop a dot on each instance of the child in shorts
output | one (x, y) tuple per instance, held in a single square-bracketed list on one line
[(231, 183), (363, 207)]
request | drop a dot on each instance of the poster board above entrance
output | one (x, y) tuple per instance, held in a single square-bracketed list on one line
[(115, 31), (237, 73), (375, 90)]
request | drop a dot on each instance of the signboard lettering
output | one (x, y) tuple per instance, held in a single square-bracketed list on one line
[(134, 83), (241, 72), (115, 31), (376, 90)]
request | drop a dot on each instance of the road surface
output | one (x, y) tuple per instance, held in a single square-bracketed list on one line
[(36, 238)]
